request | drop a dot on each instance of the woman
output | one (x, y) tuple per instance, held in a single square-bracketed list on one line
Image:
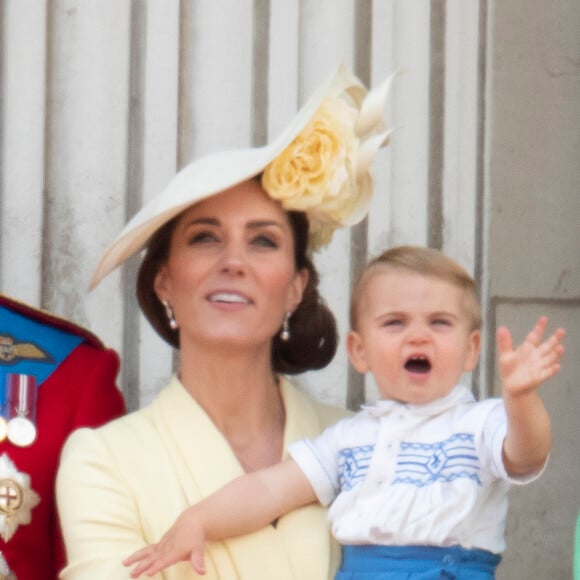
[(227, 279)]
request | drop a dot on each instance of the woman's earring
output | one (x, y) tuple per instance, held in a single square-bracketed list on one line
[(170, 315), (285, 332)]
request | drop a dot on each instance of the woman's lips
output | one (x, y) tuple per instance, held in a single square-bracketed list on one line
[(226, 297)]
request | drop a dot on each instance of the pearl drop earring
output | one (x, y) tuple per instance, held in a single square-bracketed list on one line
[(285, 332), (170, 315)]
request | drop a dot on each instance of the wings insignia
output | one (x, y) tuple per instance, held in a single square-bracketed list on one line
[(11, 352), (29, 351)]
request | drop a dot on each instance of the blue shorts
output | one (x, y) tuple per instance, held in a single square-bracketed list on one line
[(416, 563)]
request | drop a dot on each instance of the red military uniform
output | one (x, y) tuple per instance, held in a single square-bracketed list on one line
[(75, 380)]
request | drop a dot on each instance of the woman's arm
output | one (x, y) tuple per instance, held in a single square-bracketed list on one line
[(246, 504), (97, 513)]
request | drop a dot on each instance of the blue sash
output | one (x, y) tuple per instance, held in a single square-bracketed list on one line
[(31, 347), (416, 563)]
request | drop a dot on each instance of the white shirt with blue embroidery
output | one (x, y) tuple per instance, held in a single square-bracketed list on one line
[(400, 474)]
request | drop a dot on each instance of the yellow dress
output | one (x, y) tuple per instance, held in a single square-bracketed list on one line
[(122, 485)]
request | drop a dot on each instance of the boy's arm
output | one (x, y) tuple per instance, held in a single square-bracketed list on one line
[(244, 505), (255, 500), (522, 371)]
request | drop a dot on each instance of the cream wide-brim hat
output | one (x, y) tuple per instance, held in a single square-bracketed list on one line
[(218, 172)]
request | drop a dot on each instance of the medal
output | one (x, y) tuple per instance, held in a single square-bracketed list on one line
[(3, 424), (17, 498), (21, 431), (21, 409)]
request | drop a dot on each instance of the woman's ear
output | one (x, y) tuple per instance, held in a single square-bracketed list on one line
[(356, 351), (296, 291), (161, 284), (473, 349)]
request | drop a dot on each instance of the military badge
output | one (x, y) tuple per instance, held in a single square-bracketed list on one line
[(12, 352), (17, 498)]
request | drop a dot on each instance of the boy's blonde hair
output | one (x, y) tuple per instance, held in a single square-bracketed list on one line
[(424, 261)]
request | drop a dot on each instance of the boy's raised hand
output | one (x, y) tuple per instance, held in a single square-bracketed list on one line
[(525, 368), (185, 540)]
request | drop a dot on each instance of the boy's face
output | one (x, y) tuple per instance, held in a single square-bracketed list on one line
[(413, 335)]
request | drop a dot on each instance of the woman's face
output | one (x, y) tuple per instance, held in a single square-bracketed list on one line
[(231, 276)]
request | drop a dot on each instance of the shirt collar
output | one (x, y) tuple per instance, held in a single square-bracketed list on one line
[(458, 395)]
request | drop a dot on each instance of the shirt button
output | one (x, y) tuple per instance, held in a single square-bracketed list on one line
[(448, 559)]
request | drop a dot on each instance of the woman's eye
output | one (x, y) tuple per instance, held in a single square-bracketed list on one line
[(264, 241), (202, 238)]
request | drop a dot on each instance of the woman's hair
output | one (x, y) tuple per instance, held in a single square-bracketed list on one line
[(313, 335), (424, 261)]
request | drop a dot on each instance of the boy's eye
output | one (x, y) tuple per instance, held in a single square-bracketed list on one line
[(441, 322), (393, 322)]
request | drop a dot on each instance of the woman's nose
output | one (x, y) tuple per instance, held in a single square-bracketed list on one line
[(233, 259)]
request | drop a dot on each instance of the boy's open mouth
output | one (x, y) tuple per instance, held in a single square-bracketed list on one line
[(418, 364)]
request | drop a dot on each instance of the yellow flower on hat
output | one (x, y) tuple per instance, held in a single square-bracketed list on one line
[(314, 172), (325, 170)]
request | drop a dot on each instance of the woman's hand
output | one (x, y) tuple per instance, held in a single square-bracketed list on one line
[(185, 540)]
